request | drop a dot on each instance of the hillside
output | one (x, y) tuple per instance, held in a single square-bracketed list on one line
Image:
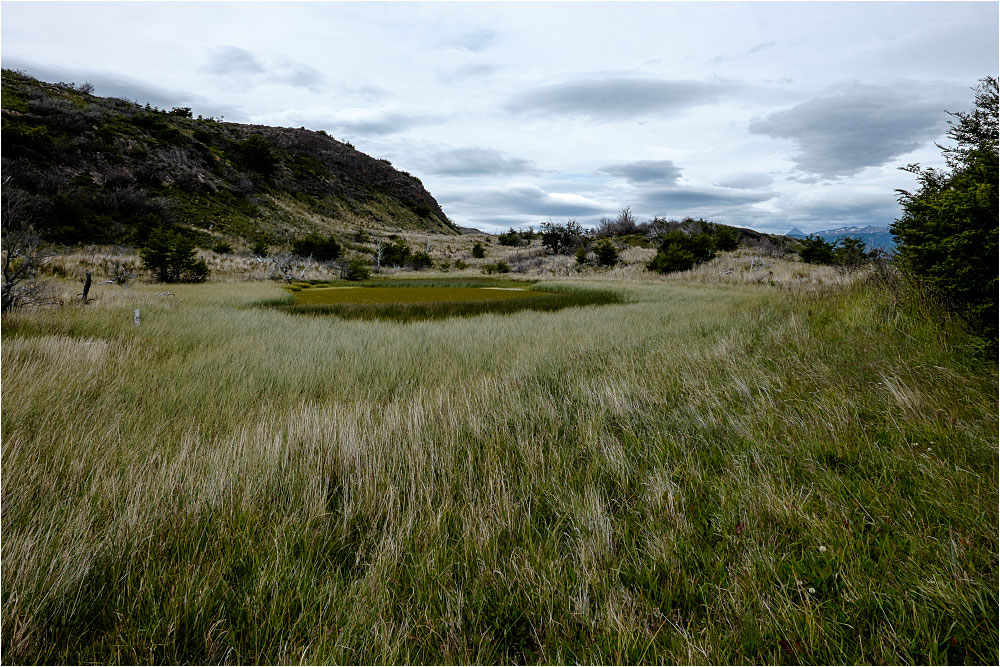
[(87, 169)]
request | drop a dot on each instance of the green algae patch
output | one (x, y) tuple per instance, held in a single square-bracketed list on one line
[(334, 295), (409, 302)]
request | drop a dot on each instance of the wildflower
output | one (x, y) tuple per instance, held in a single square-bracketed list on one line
[(822, 549), (812, 590)]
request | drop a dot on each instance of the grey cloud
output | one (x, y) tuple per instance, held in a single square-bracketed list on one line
[(239, 66), (699, 201), (522, 199), (389, 122), (470, 71), (299, 75), (864, 126), (746, 181), (476, 162), (476, 41), (664, 172), (232, 61), (614, 98)]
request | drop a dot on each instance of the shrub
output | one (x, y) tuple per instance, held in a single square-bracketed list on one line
[(461, 265), (256, 154), (172, 258), (259, 248), (816, 250), (355, 269), (222, 248), (679, 251), (726, 238), (499, 267), (420, 261), (396, 253), (581, 254), (314, 245), (478, 251), (562, 238), (947, 234), (510, 238), (606, 253)]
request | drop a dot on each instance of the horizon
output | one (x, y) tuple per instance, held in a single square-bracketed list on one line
[(759, 115)]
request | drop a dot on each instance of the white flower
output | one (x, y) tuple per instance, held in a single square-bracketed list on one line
[(812, 590), (822, 549)]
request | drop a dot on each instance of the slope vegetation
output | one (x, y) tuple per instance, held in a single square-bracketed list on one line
[(87, 169)]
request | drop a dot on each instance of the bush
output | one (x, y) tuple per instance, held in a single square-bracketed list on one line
[(816, 250), (606, 253), (172, 258), (581, 254), (356, 269), (478, 251), (420, 261), (679, 251), (396, 253), (256, 154), (461, 265), (259, 248), (510, 238), (317, 247), (947, 234), (563, 239), (222, 248), (726, 238), (499, 267)]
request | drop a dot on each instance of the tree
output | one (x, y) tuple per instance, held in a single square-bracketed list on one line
[(478, 251), (606, 253), (562, 238), (947, 234), (172, 258), (22, 255), (816, 250), (313, 245), (680, 251)]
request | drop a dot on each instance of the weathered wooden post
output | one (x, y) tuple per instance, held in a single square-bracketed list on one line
[(86, 287), (135, 317)]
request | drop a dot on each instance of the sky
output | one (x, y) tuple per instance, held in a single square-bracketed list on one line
[(755, 114)]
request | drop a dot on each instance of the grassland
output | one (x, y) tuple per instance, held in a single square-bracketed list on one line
[(707, 473)]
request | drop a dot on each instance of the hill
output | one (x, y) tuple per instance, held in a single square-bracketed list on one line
[(873, 236), (88, 169)]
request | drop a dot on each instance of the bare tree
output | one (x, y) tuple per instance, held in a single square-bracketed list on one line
[(23, 254), (379, 249)]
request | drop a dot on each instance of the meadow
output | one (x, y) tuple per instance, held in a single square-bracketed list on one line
[(703, 472)]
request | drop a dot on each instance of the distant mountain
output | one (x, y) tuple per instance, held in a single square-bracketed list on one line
[(873, 236), (796, 233), (87, 169)]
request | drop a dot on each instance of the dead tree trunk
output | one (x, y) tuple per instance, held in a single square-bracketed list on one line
[(86, 287)]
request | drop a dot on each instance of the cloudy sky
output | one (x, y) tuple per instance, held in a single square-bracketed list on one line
[(764, 115)]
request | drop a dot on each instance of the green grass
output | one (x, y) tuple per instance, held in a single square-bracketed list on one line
[(702, 474)]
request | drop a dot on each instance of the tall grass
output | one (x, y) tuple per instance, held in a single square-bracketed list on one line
[(706, 474)]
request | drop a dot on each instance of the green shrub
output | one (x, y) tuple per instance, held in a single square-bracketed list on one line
[(396, 253), (461, 265), (581, 254), (222, 248), (947, 234), (499, 267), (510, 238), (478, 251), (606, 253), (314, 245), (726, 238), (356, 269), (259, 248), (171, 257), (562, 238), (816, 250), (420, 261), (679, 251)]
